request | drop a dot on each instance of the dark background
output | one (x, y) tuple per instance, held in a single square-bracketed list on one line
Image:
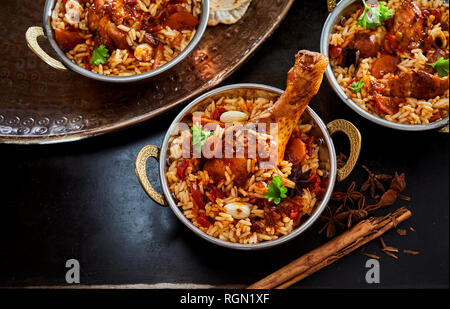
[(82, 200)]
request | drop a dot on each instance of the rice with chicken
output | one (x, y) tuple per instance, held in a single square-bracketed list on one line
[(390, 70), (124, 37), (240, 212)]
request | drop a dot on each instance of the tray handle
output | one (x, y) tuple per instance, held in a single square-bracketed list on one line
[(342, 125), (32, 34), (141, 173)]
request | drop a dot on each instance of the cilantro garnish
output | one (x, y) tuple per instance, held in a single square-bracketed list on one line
[(441, 67), (275, 190), (99, 55), (199, 137), (374, 16), (356, 86)]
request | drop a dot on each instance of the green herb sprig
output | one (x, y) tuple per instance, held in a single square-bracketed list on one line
[(275, 190), (356, 86), (199, 137), (99, 55), (374, 16), (441, 66)]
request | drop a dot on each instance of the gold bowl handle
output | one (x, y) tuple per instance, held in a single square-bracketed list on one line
[(141, 173), (444, 129), (341, 125), (32, 34), (331, 5)]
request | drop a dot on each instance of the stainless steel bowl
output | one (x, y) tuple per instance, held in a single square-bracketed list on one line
[(343, 9), (321, 132), (33, 33)]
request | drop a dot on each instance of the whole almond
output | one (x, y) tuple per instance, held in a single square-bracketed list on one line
[(233, 116)]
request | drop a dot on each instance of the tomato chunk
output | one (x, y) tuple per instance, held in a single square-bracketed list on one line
[(215, 193), (197, 195), (295, 151), (203, 221), (181, 167), (181, 20), (309, 144), (218, 112), (315, 186), (335, 51), (386, 105), (437, 14), (384, 65), (159, 56), (293, 210), (67, 39)]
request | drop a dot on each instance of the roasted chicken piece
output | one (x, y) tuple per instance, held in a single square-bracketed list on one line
[(420, 85), (303, 82), (105, 15), (407, 30), (101, 17)]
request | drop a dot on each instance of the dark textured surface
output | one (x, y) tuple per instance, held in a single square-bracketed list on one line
[(82, 200)]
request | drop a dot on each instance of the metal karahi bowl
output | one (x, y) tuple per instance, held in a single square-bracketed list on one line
[(64, 63), (343, 9), (321, 132)]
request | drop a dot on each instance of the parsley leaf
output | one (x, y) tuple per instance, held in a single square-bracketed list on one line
[(99, 55), (275, 190), (356, 86), (441, 66), (374, 16), (199, 137)]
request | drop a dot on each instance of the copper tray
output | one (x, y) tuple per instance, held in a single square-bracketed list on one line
[(42, 105)]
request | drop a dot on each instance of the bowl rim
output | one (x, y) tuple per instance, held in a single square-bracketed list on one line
[(48, 8), (324, 38), (262, 245)]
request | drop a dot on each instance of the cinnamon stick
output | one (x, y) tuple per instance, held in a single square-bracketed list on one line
[(333, 250)]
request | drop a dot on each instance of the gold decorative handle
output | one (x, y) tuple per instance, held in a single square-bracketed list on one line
[(331, 5), (444, 129), (341, 125), (32, 34), (141, 173)]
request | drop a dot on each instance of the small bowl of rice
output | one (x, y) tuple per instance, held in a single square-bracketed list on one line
[(236, 210), (391, 68), (120, 41)]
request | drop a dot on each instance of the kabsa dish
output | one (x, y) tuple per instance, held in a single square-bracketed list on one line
[(391, 59), (237, 199), (124, 37)]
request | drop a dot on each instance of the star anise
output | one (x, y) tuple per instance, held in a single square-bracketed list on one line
[(350, 195), (301, 180), (354, 215), (332, 220), (389, 197), (374, 182)]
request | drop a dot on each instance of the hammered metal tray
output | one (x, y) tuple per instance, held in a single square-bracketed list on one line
[(41, 105)]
